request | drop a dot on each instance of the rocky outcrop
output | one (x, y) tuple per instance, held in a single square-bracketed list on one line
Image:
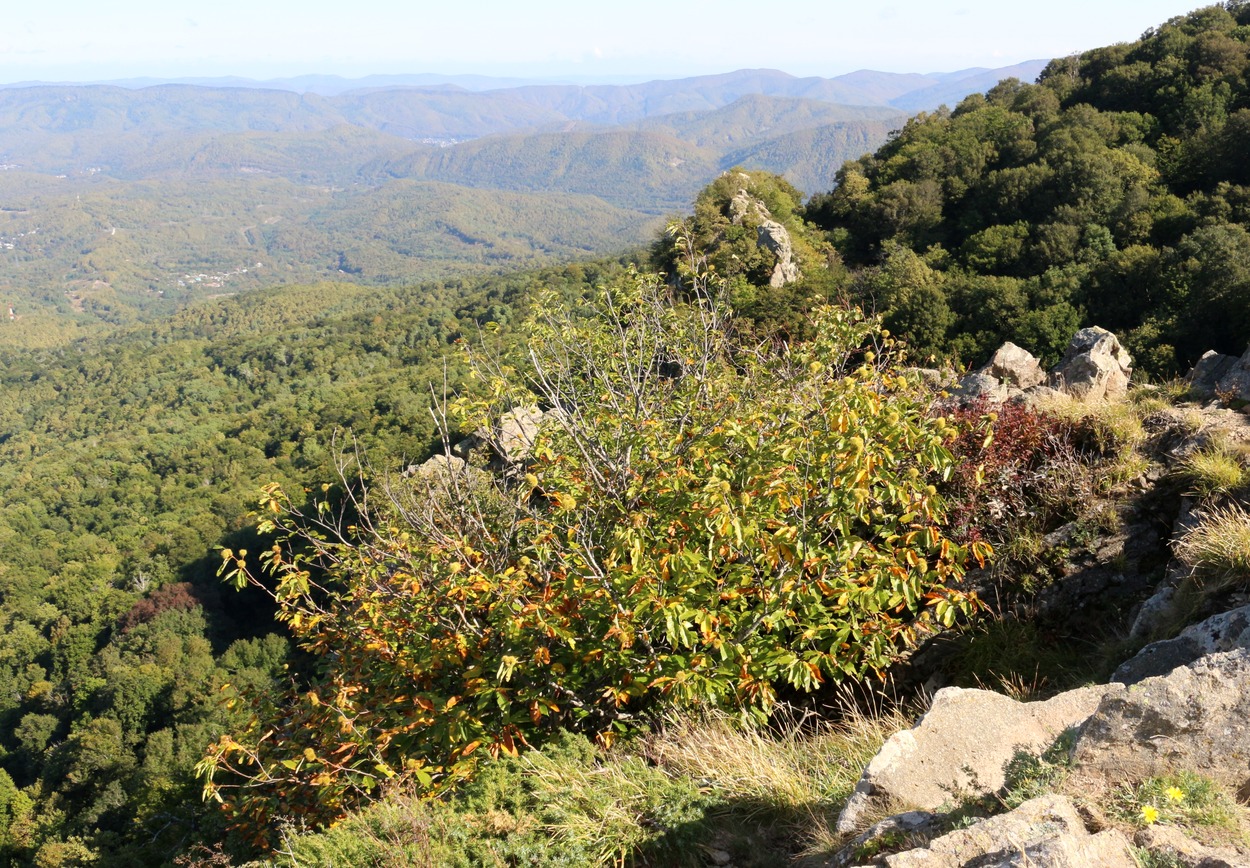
[(1170, 844), (1217, 374), (770, 235), (516, 433), (1196, 718), (1179, 706), (946, 754), (1046, 831), (509, 441), (979, 384), (744, 207), (1094, 367), (437, 466), (1009, 372), (1015, 367)]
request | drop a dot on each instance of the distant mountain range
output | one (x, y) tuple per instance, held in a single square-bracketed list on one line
[(121, 198), (908, 91)]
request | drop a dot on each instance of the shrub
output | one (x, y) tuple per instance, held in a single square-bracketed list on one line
[(1014, 466), (700, 522), (566, 805)]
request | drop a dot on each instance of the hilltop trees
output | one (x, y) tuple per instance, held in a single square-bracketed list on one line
[(1114, 192), (748, 229)]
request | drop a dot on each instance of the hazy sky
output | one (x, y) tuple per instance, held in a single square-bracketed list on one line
[(75, 39)]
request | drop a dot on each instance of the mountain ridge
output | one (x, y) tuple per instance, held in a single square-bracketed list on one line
[(842, 86)]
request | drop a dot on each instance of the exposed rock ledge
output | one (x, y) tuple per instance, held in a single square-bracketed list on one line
[(1192, 715)]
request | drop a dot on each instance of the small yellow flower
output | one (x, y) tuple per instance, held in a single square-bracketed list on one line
[(1150, 814), (1175, 794)]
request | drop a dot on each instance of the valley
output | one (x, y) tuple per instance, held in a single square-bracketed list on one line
[(111, 195)]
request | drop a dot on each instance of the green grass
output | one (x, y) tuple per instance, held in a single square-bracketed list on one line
[(765, 795), (1111, 430), (1028, 776), (1182, 799), (1016, 657)]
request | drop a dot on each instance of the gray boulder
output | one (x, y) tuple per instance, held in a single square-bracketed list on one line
[(743, 206), (769, 234), (1014, 366), (1046, 831), (961, 746), (1009, 372), (1236, 380), (1196, 718), (1177, 848), (437, 467), (774, 238), (1204, 378), (516, 433), (1227, 631), (1094, 367), (911, 826), (979, 384)]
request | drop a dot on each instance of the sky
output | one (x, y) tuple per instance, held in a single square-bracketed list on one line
[(584, 40)]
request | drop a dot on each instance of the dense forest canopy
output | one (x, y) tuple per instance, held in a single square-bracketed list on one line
[(1114, 191), (124, 461)]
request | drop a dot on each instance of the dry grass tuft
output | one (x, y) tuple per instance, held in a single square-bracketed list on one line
[(1214, 471), (1217, 550), (799, 771)]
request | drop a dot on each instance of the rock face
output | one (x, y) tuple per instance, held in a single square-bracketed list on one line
[(438, 466), (509, 441), (1094, 367), (1046, 831), (1172, 844), (1009, 372), (962, 744), (979, 384), (771, 235), (1207, 372), (1215, 373), (1227, 631), (1196, 718), (516, 432)]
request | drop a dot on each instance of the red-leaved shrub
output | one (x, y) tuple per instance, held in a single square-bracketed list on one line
[(1013, 465)]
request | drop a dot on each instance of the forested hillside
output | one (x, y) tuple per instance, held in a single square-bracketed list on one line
[(123, 462), (1114, 191), (114, 251)]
